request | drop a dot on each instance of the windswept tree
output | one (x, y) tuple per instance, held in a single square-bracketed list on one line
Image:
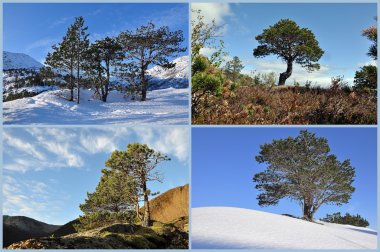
[(371, 34), (139, 162), (302, 169), (148, 46), (112, 201), (234, 67), (290, 43)]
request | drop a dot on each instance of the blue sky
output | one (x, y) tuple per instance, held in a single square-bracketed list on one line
[(337, 27), (33, 28), (48, 171), (223, 164)]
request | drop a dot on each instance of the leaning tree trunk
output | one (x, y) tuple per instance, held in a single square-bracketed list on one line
[(285, 75), (146, 221)]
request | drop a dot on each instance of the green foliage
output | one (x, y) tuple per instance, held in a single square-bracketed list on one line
[(302, 170), (371, 34), (265, 79), (366, 78), (149, 45), (290, 43), (233, 68), (103, 218), (205, 82), (200, 64), (348, 219), (139, 162)]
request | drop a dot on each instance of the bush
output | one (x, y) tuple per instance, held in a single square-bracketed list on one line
[(205, 82), (355, 220), (101, 219), (199, 64), (366, 78)]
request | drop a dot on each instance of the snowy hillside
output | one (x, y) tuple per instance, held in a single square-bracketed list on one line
[(228, 227), (19, 61), (176, 77), (165, 106)]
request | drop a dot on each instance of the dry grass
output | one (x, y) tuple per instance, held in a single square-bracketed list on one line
[(289, 105), (170, 205)]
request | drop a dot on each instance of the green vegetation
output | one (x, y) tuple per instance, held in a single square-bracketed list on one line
[(347, 219), (221, 94), (302, 169), (290, 43)]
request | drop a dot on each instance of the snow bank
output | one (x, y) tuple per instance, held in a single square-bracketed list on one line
[(165, 106), (233, 228)]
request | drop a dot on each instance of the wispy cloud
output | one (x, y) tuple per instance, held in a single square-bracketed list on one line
[(41, 43), (36, 149)]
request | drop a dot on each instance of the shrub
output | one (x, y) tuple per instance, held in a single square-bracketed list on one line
[(205, 82), (199, 64), (348, 219)]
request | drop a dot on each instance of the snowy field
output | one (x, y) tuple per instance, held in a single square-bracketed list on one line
[(233, 228), (165, 106)]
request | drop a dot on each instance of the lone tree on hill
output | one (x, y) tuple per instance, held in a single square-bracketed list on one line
[(234, 67), (150, 45), (290, 43), (302, 169), (139, 162)]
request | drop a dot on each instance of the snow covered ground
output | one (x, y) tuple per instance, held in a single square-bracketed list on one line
[(233, 228), (165, 106)]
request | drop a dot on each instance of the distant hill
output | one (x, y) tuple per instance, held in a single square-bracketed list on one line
[(18, 228), (66, 229), (170, 205), (19, 61)]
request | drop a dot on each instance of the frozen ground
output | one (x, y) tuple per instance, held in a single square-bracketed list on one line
[(233, 228), (165, 106)]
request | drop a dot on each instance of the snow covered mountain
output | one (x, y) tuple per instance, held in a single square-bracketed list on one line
[(233, 228), (19, 61), (176, 77)]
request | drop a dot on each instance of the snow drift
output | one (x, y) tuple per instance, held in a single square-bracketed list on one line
[(233, 228), (165, 106), (19, 61)]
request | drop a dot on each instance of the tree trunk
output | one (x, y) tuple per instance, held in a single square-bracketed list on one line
[(78, 88), (146, 221), (285, 75), (144, 86), (71, 85), (104, 98), (307, 213)]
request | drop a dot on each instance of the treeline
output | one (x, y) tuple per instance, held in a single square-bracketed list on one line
[(126, 56), (347, 219), (122, 186)]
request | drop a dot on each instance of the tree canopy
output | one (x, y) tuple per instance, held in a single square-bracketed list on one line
[(302, 169), (290, 43)]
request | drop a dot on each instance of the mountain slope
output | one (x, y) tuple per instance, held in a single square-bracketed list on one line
[(19, 61), (66, 229), (176, 77), (232, 228), (17, 228), (170, 205)]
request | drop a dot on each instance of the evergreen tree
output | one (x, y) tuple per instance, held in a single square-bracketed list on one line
[(112, 201), (233, 68), (366, 78), (81, 43), (139, 162), (348, 219), (290, 43), (129, 72), (110, 53), (371, 34), (150, 45), (302, 170)]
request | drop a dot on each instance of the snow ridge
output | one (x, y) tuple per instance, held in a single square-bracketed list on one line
[(233, 228)]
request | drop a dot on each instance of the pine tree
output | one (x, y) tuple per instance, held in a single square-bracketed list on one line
[(290, 43), (139, 162), (303, 170), (112, 201), (234, 67), (150, 45), (81, 42)]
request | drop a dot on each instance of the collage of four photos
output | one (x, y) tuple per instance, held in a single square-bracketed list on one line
[(189, 126)]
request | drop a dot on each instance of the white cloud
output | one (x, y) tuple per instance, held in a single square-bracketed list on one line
[(41, 43), (22, 146), (96, 144), (213, 11)]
